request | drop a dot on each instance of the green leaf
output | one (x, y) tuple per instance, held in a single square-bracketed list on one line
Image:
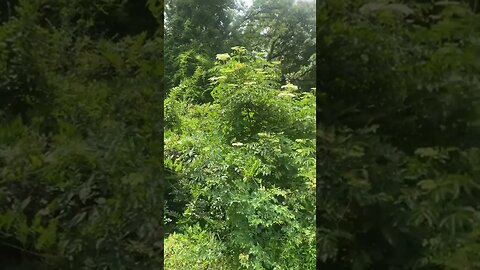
[(427, 184), (427, 152)]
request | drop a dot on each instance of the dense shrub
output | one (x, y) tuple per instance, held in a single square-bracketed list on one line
[(246, 164)]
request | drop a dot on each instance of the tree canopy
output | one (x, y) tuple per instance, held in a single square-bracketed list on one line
[(218, 135)]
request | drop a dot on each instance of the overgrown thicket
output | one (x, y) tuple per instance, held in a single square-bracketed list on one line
[(240, 135), (246, 171), (397, 151), (397, 165), (80, 134), (398, 158)]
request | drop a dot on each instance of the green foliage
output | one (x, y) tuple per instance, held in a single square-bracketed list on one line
[(193, 74), (240, 135), (194, 28), (80, 141), (246, 163), (285, 30), (197, 249), (397, 155), (429, 74)]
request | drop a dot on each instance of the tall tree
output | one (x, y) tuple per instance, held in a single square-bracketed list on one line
[(198, 27), (285, 31)]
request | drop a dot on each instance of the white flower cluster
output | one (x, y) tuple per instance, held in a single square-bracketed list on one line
[(290, 87), (223, 56)]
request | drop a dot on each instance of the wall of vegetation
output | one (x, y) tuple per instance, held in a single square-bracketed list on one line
[(240, 135), (246, 171), (398, 163), (390, 179), (80, 134)]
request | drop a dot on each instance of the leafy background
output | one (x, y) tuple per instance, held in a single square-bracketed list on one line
[(397, 154), (80, 134), (397, 158)]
